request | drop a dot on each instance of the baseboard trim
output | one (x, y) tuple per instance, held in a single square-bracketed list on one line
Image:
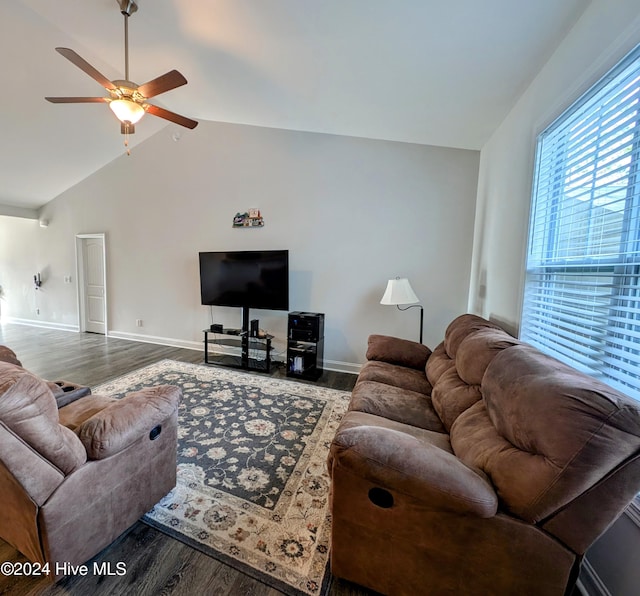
[(42, 324), (342, 367), (589, 582), (332, 365), (161, 341)]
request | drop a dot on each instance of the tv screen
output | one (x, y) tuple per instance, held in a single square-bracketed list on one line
[(252, 279)]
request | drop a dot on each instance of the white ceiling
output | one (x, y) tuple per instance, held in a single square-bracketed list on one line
[(423, 71)]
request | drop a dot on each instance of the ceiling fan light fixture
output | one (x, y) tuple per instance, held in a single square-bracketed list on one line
[(127, 100), (127, 110)]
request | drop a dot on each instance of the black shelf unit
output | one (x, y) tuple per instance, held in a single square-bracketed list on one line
[(249, 348), (305, 345)]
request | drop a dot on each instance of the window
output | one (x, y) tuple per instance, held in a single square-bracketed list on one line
[(582, 287)]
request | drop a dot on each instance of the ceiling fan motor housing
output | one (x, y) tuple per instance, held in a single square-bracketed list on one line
[(127, 89)]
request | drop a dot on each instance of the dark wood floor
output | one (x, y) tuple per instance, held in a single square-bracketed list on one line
[(155, 563)]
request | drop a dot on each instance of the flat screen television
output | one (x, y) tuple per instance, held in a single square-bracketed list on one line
[(250, 279)]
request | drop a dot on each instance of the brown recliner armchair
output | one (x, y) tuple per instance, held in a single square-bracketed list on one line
[(73, 479)]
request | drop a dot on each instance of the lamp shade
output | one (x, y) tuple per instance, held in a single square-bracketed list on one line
[(399, 291), (127, 110)]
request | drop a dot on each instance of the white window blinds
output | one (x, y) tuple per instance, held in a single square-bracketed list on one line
[(582, 288)]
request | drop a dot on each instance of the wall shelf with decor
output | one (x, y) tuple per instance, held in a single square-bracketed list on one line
[(249, 219)]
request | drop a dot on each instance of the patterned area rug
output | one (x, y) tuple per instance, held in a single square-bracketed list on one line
[(252, 486)]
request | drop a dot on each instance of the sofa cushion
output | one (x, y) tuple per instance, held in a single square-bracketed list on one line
[(397, 351), (444, 355), (439, 362), (401, 405), (451, 396), (544, 433), (460, 327), (478, 349), (28, 409), (457, 380), (392, 374)]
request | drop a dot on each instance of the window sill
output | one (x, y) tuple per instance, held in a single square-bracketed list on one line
[(633, 511)]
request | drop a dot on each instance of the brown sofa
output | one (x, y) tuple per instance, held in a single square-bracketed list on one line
[(483, 467), (73, 479)]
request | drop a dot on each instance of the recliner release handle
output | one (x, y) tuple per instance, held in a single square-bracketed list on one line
[(381, 497)]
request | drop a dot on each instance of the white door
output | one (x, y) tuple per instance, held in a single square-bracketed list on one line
[(93, 293)]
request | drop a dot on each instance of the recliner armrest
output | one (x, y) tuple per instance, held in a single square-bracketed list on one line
[(66, 392), (125, 421), (395, 350), (403, 464), (8, 355)]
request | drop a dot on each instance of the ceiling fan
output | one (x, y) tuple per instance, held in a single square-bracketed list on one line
[(127, 100)]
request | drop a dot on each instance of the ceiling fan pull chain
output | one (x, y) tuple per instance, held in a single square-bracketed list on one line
[(126, 143)]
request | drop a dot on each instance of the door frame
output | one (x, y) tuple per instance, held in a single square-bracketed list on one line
[(80, 256)]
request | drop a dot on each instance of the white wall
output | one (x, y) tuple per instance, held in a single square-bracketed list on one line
[(352, 212), (605, 33)]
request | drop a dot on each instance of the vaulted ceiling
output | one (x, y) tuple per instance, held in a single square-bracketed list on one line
[(419, 71)]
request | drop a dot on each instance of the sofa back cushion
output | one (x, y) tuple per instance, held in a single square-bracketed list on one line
[(478, 349), (28, 409), (451, 396), (37, 476), (439, 362), (544, 433), (444, 355), (457, 387), (460, 328)]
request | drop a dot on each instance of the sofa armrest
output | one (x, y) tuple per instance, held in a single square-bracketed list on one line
[(395, 350), (405, 465), (125, 421)]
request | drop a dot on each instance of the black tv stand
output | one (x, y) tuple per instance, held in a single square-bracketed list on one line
[(245, 338), (239, 339)]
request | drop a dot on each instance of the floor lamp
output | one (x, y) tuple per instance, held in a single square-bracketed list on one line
[(399, 291)]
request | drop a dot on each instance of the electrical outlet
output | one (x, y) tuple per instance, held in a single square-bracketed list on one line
[(138, 322), (37, 311)]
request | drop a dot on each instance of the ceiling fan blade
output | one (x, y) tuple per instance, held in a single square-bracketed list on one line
[(171, 116), (77, 99), (83, 65), (161, 84)]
